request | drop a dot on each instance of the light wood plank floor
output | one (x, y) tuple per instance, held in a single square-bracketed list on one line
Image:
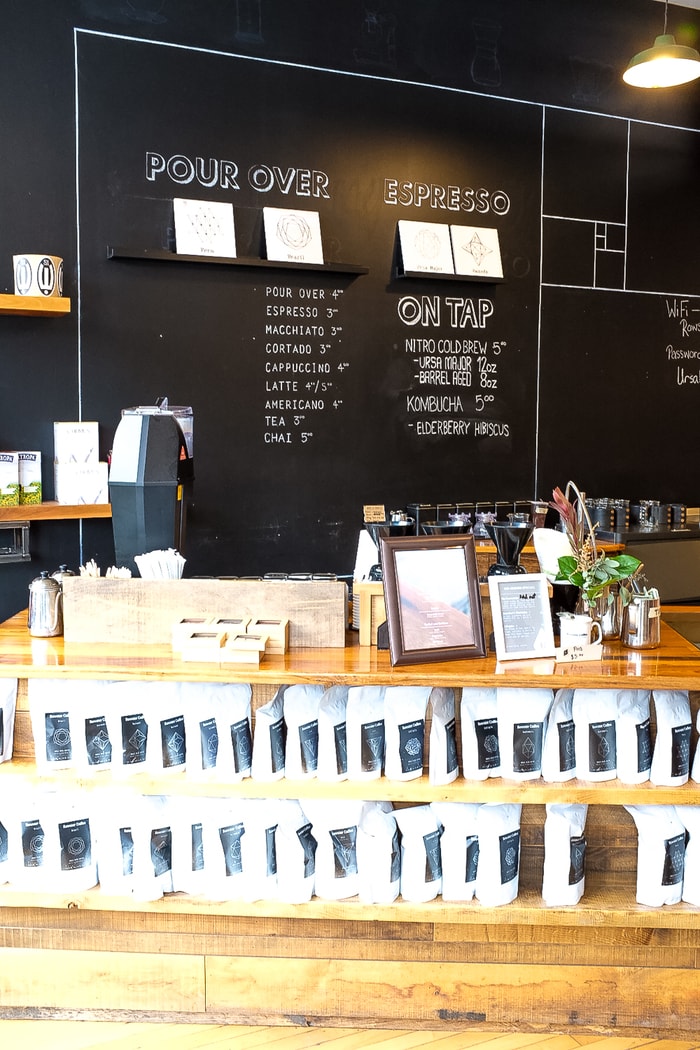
[(82, 1035)]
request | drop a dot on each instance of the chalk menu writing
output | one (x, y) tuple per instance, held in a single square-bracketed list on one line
[(302, 362), (457, 366), (683, 354)]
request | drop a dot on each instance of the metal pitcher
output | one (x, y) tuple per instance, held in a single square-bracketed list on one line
[(641, 622), (45, 618)]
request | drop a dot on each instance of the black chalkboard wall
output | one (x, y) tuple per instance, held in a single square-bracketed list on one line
[(317, 390)]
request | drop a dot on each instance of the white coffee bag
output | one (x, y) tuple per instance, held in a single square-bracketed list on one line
[(660, 854), (50, 703), (670, 764), (8, 703), (378, 855), (186, 821), (522, 716), (564, 874), (404, 731), (459, 848), (498, 872), (334, 825), (69, 860), (332, 734), (301, 706), (365, 732), (633, 735), (223, 832), (689, 817), (130, 722), (595, 718), (559, 752), (296, 853), (481, 757), (218, 728), (114, 813), (421, 864), (443, 759), (268, 739)]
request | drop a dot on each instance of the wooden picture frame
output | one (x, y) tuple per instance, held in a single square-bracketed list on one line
[(522, 616), (431, 593)]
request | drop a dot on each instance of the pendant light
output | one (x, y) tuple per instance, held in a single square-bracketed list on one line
[(666, 64)]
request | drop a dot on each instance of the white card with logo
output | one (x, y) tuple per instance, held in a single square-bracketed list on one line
[(293, 236), (477, 252), (425, 247), (204, 228)]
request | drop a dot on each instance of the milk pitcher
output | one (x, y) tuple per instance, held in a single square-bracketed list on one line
[(641, 622), (45, 618)]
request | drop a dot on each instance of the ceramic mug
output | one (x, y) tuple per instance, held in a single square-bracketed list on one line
[(579, 629), (40, 275)]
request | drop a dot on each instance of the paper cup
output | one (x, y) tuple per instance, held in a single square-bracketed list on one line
[(40, 275)]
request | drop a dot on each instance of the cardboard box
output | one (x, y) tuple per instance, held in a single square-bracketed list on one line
[(277, 632), (9, 479), (30, 477), (76, 483), (76, 443)]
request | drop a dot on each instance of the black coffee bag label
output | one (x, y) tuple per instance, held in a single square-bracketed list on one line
[(344, 851), (172, 741), (2, 730), (527, 747), (644, 746), (472, 846), (58, 742), (308, 844), (674, 860), (134, 739), (395, 866), (602, 747), (577, 861), (433, 856), (126, 840), (76, 845), (208, 743), (271, 850), (98, 746), (3, 843), (411, 737), (32, 843), (308, 746), (451, 759), (162, 850), (197, 848), (488, 751), (242, 745), (509, 845), (230, 837), (567, 745), (680, 751), (340, 734), (372, 746), (278, 734)]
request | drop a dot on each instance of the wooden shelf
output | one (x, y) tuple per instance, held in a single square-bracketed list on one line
[(160, 255), (34, 305), (52, 511)]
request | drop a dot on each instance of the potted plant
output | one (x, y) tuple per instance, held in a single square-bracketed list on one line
[(600, 577)]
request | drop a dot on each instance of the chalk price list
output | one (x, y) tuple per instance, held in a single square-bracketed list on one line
[(456, 377), (303, 361)]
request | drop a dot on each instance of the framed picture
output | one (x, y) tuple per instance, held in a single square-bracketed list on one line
[(522, 617), (431, 593)]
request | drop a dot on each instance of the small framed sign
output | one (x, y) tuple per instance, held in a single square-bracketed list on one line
[(431, 593), (522, 618)]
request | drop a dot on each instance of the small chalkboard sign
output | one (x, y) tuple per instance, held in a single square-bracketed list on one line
[(522, 620)]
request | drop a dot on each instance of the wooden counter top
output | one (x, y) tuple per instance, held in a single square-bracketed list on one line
[(675, 665)]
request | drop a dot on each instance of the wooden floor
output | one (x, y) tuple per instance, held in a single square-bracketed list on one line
[(81, 1035)]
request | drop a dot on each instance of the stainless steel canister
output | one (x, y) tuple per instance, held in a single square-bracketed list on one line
[(641, 622), (45, 617)]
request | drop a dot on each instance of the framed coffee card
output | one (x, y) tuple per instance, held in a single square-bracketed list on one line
[(522, 619)]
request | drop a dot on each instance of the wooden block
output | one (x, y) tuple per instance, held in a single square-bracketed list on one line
[(142, 612), (372, 610), (277, 632), (205, 644)]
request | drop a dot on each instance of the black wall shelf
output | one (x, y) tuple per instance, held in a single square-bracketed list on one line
[(161, 255)]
